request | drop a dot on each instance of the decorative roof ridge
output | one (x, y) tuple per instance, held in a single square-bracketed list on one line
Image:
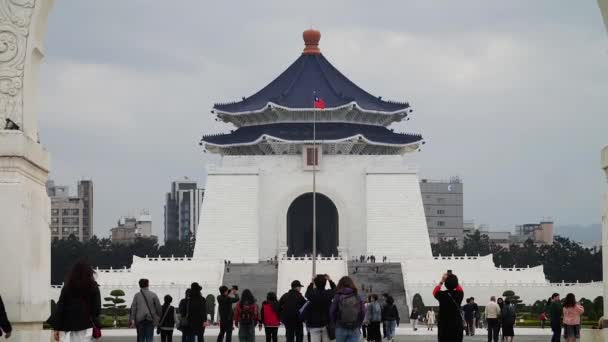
[(351, 103)]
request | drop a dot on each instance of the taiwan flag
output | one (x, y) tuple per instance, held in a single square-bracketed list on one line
[(319, 103)]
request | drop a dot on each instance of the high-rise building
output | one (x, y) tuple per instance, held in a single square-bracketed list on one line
[(71, 215), (182, 210), (130, 228), (443, 208)]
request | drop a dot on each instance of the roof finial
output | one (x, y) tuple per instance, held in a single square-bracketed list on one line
[(311, 41)]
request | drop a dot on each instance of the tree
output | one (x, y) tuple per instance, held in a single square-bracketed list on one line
[(210, 301), (418, 303), (514, 299), (476, 243), (445, 247), (598, 306), (116, 303)]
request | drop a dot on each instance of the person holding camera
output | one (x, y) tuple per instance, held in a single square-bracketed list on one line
[(317, 312), (225, 300), (450, 327)]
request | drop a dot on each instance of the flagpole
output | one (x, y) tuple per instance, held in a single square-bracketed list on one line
[(314, 192)]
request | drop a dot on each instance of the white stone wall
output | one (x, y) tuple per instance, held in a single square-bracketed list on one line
[(396, 225), (528, 292), (175, 274), (229, 210), (291, 269), (229, 219)]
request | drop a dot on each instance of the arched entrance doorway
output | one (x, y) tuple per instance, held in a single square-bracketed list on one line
[(299, 226)]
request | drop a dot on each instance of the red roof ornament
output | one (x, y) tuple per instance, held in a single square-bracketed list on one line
[(311, 42)]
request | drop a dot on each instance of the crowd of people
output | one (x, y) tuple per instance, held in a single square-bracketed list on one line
[(325, 311)]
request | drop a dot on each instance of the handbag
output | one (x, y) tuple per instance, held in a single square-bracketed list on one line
[(154, 317), (96, 333)]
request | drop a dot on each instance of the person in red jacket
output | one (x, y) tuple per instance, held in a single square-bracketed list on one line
[(450, 325), (269, 317), (246, 317)]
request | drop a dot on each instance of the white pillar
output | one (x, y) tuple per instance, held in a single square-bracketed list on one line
[(24, 165)]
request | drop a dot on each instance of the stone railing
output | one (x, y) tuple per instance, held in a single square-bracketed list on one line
[(309, 258), (171, 258), (518, 283)]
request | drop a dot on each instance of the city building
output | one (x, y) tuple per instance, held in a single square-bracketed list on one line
[(71, 215), (182, 210), (130, 228), (540, 233), (314, 136), (443, 208)]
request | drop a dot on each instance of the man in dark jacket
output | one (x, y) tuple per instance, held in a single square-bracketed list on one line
[(469, 317), (225, 300), (289, 311), (5, 325), (317, 312), (555, 315)]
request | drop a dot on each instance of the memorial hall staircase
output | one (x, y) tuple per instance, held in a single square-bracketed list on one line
[(389, 279), (260, 278)]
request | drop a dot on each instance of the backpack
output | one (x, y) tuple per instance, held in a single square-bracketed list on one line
[(349, 308), (247, 315)]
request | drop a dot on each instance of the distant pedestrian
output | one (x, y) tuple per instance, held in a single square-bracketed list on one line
[(289, 311), (492, 316), (347, 311), (167, 320), (430, 319), (450, 321), (78, 307), (182, 313), (269, 317), (572, 318), (5, 324), (555, 315), (414, 316), (246, 316), (543, 319), (469, 317), (508, 317), (225, 300), (390, 315), (373, 319), (196, 315)]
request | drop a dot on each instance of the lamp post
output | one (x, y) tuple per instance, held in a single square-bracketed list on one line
[(314, 192)]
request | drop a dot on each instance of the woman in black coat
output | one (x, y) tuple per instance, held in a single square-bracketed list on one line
[(167, 320), (5, 324), (197, 314), (79, 304)]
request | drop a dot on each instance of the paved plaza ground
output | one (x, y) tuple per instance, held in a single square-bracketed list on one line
[(404, 334), (421, 338)]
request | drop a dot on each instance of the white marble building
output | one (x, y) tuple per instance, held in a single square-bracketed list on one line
[(258, 201)]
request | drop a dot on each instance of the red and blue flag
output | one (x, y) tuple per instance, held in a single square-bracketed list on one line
[(319, 103)]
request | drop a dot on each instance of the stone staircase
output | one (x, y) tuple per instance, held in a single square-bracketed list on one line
[(260, 278), (389, 279)]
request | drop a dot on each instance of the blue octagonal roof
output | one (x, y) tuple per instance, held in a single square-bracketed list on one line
[(296, 87)]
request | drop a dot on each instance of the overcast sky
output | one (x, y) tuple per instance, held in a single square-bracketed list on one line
[(511, 96)]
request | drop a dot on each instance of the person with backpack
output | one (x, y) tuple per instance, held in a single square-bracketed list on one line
[(508, 316), (167, 321), (347, 311), (196, 315), (390, 317), (225, 300), (373, 319), (450, 327), (246, 316), (145, 312), (269, 317), (316, 314), (289, 311)]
